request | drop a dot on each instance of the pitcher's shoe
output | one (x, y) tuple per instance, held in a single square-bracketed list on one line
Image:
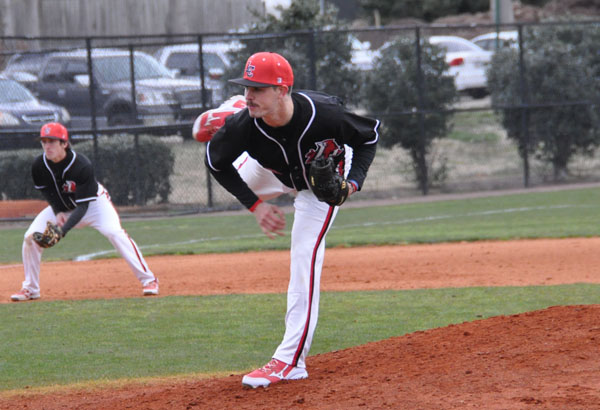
[(151, 288), (273, 372), (23, 295)]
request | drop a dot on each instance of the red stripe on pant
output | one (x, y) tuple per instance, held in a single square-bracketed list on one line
[(137, 253), (312, 285), (242, 164)]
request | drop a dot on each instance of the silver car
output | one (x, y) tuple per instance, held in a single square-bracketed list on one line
[(22, 111)]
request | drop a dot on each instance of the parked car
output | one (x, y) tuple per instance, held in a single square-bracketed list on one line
[(468, 63), (62, 78), (184, 62), (505, 39), (21, 111), (28, 62)]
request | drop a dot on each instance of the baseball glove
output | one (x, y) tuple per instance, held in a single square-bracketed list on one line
[(49, 237), (327, 185)]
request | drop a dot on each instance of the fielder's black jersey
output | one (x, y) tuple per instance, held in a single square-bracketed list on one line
[(320, 126), (65, 184)]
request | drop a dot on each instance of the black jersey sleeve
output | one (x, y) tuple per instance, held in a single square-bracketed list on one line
[(226, 145), (362, 134), (230, 179), (87, 186)]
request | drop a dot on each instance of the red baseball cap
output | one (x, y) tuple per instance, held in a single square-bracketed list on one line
[(55, 131), (266, 69)]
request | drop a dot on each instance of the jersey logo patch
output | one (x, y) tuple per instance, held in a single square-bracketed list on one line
[(69, 187), (325, 149)]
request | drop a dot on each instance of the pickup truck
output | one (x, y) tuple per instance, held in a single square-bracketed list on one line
[(62, 78)]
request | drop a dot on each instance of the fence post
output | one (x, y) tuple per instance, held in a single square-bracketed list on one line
[(312, 56), (209, 193), (421, 160), (524, 110), (134, 114), (92, 90), (201, 74)]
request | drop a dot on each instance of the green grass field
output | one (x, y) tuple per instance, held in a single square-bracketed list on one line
[(65, 342), (559, 214)]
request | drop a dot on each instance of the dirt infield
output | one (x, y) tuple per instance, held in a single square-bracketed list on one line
[(27, 208), (546, 359)]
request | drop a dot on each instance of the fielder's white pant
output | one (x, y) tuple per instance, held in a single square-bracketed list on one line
[(102, 216), (312, 220)]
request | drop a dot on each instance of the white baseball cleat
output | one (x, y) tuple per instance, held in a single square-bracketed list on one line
[(273, 372), (23, 295), (151, 288)]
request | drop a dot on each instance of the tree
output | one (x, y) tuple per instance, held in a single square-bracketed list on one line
[(320, 59), (406, 96), (561, 74)]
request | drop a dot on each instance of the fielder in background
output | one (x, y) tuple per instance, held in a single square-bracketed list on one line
[(266, 150), (66, 180)]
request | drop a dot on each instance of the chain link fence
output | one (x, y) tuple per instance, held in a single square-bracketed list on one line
[(153, 87)]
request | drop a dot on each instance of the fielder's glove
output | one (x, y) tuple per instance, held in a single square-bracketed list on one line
[(327, 185), (49, 237)]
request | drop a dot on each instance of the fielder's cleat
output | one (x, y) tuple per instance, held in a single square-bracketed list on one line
[(273, 372), (23, 295), (151, 288)]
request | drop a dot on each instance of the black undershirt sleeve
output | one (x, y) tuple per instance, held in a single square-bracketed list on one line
[(75, 217)]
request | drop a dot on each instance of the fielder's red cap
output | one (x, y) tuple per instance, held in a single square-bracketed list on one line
[(55, 131), (266, 69)]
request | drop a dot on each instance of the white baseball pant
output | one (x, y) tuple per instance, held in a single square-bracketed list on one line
[(102, 216), (312, 220)]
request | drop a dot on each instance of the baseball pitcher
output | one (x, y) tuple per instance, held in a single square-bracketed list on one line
[(291, 142)]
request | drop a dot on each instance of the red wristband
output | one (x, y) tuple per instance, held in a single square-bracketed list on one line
[(354, 184), (257, 203)]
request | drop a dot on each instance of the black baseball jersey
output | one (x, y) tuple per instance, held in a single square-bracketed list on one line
[(66, 184), (320, 127)]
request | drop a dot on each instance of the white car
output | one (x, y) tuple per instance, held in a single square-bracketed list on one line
[(468, 63), (183, 61), (505, 39)]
